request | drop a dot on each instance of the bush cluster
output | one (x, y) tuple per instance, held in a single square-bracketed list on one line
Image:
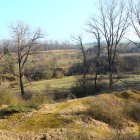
[(103, 111), (8, 97), (80, 91), (41, 73), (15, 104), (133, 110)]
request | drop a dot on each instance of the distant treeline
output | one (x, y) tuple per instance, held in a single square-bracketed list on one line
[(42, 46), (56, 45)]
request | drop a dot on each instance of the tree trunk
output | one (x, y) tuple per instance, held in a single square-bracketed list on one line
[(95, 80), (96, 73), (110, 76), (84, 81), (21, 86), (84, 71)]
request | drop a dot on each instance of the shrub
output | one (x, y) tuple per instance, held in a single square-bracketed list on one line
[(29, 105), (103, 111), (133, 110), (58, 75), (36, 101), (38, 72), (7, 97), (39, 75), (124, 94), (79, 91), (7, 64), (101, 85), (48, 75), (28, 95)]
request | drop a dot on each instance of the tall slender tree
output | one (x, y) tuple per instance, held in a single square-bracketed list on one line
[(96, 35), (79, 41), (26, 42), (112, 24)]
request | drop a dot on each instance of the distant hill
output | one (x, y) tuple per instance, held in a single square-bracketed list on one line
[(94, 43)]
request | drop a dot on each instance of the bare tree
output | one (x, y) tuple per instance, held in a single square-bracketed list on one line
[(26, 42), (134, 15), (97, 51), (112, 24), (79, 41)]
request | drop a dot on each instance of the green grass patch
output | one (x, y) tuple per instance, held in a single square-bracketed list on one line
[(25, 122)]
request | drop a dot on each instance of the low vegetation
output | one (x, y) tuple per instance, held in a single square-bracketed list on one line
[(102, 116)]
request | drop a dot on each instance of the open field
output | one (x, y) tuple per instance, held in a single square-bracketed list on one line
[(66, 83), (62, 58), (59, 58)]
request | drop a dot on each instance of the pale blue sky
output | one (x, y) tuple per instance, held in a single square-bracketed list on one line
[(58, 18)]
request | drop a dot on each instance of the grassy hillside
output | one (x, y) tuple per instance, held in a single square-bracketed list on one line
[(105, 116)]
